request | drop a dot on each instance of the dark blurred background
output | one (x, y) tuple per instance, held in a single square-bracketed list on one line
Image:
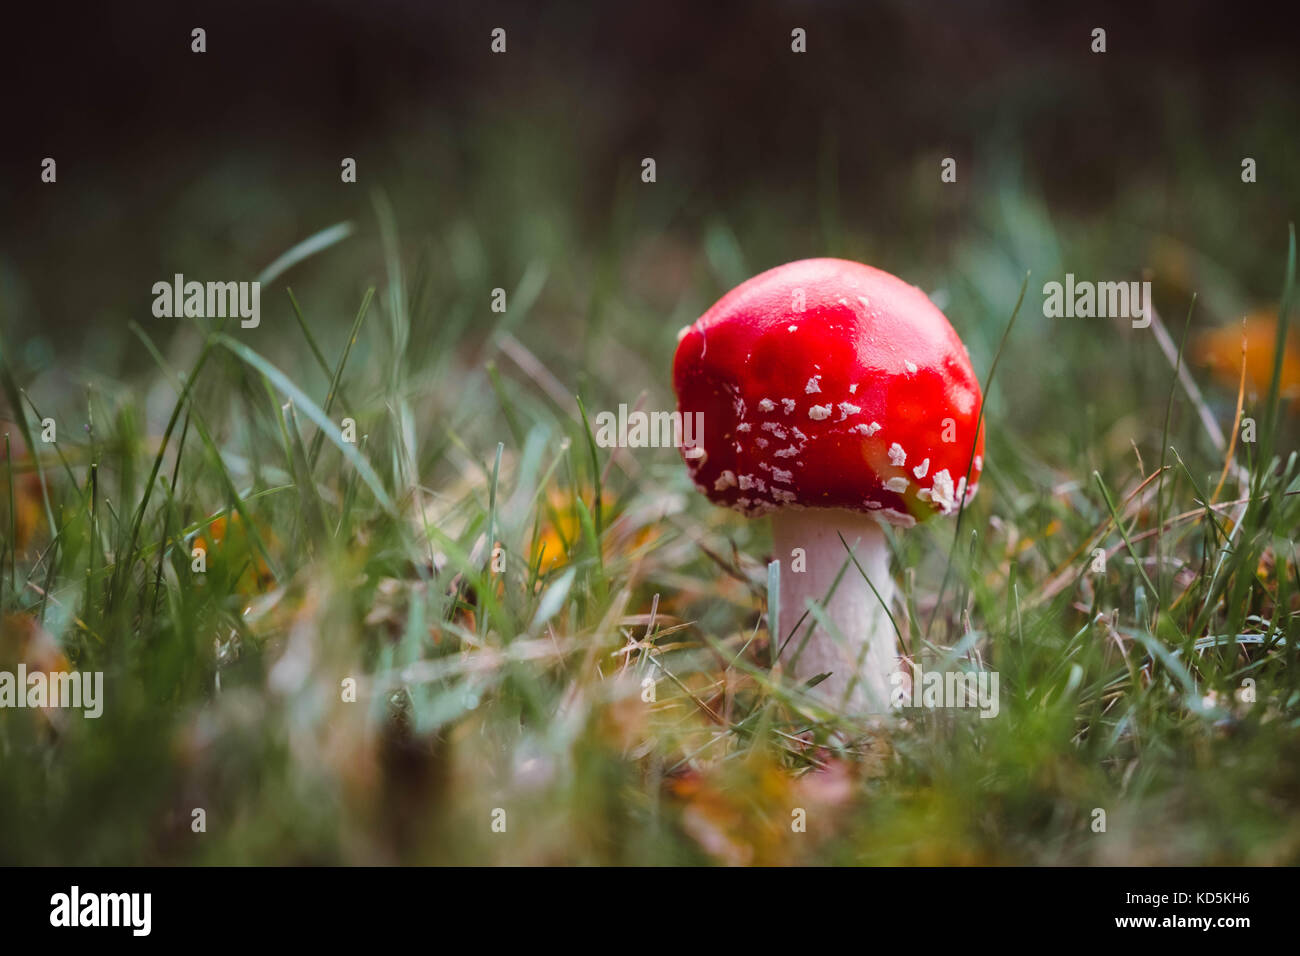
[(216, 163)]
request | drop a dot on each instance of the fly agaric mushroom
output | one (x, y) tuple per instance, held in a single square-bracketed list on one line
[(837, 398)]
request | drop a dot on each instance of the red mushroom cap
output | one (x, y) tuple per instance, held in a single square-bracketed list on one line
[(825, 383)]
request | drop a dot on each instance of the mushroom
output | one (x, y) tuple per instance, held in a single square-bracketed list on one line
[(837, 398)]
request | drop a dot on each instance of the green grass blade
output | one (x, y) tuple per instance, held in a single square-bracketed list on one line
[(290, 390)]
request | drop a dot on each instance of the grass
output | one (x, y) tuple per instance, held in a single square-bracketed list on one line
[(534, 625)]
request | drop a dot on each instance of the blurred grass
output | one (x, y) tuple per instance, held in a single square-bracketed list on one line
[(501, 590)]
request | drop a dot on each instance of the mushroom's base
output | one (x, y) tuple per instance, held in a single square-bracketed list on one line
[(860, 666)]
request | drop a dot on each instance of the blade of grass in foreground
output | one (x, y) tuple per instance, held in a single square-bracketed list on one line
[(552, 601), (979, 424), (313, 507), (218, 464), (311, 344), (15, 395), (774, 607), (595, 467), (312, 411), (338, 374), (313, 244), (491, 529), (1164, 449), (181, 400), (1279, 352)]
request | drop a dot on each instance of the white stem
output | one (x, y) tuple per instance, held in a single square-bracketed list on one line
[(868, 651)]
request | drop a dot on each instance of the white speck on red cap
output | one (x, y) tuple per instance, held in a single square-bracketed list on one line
[(941, 487), (896, 517)]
